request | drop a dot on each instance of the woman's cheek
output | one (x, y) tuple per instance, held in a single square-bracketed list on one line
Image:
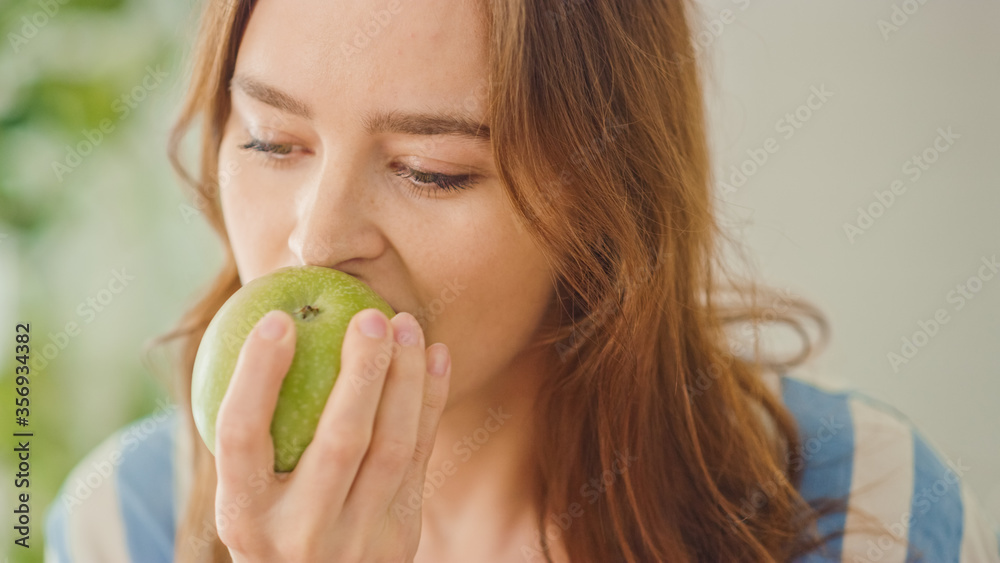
[(253, 223)]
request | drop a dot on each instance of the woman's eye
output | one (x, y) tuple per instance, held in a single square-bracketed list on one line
[(422, 181), (272, 152)]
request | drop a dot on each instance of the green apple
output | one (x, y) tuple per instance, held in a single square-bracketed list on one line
[(321, 301)]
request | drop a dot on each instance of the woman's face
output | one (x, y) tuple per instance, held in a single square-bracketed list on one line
[(354, 143)]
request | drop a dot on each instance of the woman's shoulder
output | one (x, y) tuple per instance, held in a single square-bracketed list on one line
[(120, 503), (906, 500)]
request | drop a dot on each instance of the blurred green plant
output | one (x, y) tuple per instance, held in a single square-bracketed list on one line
[(63, 66)]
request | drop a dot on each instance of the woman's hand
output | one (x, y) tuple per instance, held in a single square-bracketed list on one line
[(342, 501)]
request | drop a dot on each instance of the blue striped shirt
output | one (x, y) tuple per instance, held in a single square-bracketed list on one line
[(906, 501)]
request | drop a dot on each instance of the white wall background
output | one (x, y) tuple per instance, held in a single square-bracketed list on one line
[(893, 85)]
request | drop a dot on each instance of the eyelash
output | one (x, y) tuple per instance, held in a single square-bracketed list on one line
[(276, 154), (423, 180)]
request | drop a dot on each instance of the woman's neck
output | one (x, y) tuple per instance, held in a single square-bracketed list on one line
[(479, 495)]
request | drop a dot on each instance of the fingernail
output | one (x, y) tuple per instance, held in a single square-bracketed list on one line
[(440, 359), (406, 332), (372, 324), (272, 326)]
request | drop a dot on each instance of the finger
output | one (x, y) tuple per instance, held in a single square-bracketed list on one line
[(394, 441), (435, 393), (435, 398), (243, 443), (330, 462)]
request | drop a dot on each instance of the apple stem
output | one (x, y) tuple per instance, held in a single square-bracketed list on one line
[(307, 312)]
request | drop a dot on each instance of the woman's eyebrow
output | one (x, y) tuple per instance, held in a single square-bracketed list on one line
[(270, 95), (426, 124)]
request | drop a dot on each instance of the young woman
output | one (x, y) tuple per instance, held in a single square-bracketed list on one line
[(527, 182)]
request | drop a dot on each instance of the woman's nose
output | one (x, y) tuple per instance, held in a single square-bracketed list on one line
[(335, 222)]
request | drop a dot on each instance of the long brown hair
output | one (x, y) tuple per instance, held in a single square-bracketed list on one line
[(598, 128)]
